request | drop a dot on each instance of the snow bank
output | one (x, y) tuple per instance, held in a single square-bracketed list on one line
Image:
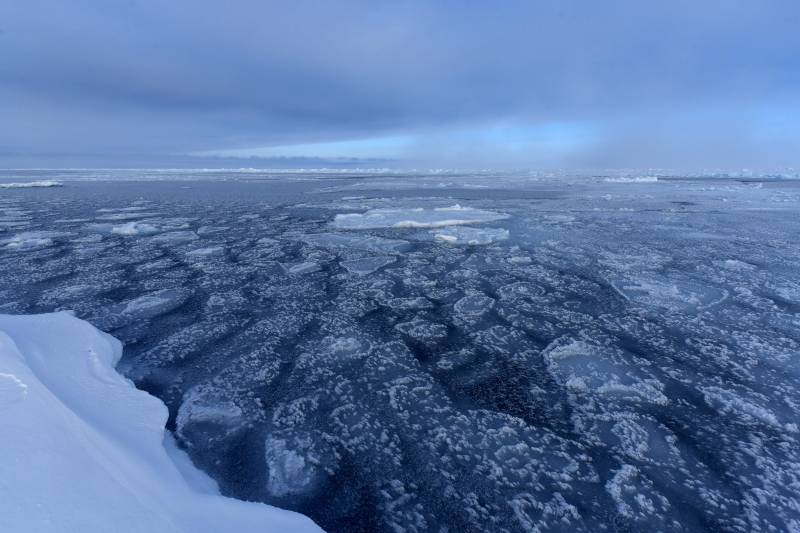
[(29, 184), (415, 218), (83, 450)]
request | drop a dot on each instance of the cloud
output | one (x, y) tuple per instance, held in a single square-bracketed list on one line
[(147, 78)]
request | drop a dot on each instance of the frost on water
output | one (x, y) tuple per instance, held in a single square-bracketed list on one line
[(546, 355)]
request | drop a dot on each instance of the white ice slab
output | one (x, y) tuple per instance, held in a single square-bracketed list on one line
[(416, 218), (83, 450)]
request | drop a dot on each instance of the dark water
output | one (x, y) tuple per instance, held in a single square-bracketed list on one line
[(627, 358)]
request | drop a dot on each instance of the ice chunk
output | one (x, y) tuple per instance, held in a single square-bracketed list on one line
[(202, 253), (416, 218), (141, 308), (367, 243), (306, 267), (366, 265), (83, 450), (134, 228), (474, 304), (632, 179), (470, 236)]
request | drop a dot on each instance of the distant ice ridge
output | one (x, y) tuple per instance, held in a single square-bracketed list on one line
[(632, 179), (29, 184), (438, 217), (83, 450)]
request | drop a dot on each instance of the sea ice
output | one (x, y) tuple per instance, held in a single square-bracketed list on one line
[(470, 236), (306, 267), (416, 218), (29, 184), (366, 265), (368, 243), (32, 240), (134, 228)]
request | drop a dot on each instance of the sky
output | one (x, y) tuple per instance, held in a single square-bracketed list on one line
[(404, 84)]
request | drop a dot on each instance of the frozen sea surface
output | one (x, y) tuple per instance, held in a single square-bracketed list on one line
[(573, 354)]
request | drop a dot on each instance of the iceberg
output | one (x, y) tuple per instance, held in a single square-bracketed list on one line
[(84, 450), (416, 218)]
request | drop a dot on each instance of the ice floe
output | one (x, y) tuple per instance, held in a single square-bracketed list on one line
[(367, 243), (367, 265), (416, 218), (470, 236), (134, 228), (32, 240)]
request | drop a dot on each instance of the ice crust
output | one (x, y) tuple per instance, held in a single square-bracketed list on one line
[(83, 450)]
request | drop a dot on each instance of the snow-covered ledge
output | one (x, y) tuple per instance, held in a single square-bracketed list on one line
[(81, 449)]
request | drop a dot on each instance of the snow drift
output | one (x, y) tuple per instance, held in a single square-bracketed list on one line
[(83, 450)]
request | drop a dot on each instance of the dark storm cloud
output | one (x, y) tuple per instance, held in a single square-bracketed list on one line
[(154, 78)]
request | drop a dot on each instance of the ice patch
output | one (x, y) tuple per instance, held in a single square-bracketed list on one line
[(203, 253), (32, 240), (470, 236), (474, 304), (134, 228), (366, 265), (368, 243), (416, 218)]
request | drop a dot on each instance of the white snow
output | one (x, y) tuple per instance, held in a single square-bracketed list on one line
[(83, 450), (416, 218), (29, 184)]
